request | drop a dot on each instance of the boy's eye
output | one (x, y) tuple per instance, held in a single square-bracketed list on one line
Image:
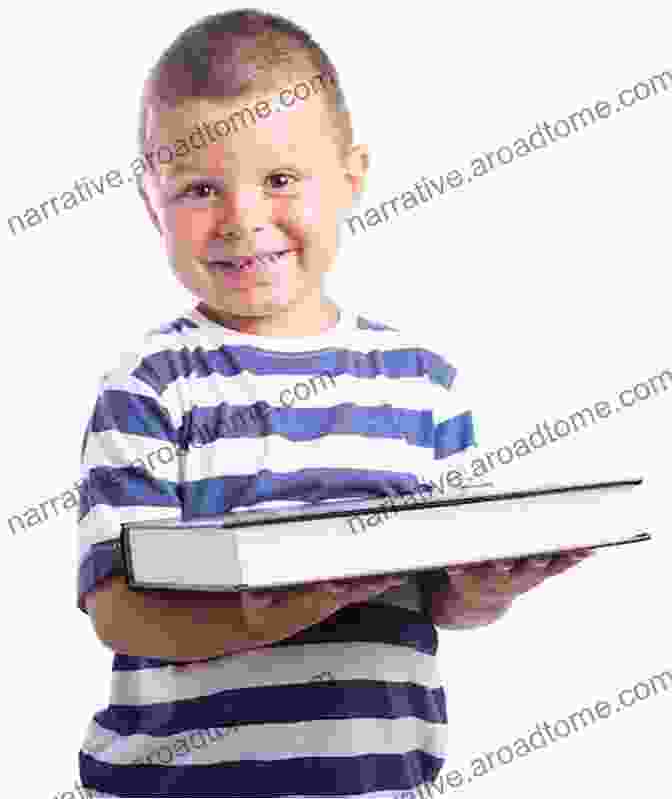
[(197, 190), (281, 180)]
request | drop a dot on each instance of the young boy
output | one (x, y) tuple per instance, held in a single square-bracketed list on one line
[(250, 221)]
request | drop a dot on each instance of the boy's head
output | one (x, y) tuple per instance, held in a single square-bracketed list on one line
[(249, 148)]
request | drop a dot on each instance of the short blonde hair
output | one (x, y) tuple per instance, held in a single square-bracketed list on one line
[(232, 54)]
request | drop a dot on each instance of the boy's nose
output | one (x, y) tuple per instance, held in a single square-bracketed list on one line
[(245, 210)]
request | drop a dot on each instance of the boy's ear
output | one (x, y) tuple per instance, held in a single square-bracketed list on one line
[(356, 166), (148, 205)]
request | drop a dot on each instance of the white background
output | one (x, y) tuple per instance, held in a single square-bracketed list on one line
[(548, 280)]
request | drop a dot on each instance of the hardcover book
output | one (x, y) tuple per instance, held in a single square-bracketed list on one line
[(294, 545)]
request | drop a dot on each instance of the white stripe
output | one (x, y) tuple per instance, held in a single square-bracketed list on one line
[(282, 666), (242, 455), (210, 335), (458, 461), (113, 448), (267, 742), (183, 394), (121, 381), (238, 456), (246, 388), (348, 336)]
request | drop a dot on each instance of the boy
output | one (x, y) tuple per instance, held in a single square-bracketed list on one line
[(250, 223)]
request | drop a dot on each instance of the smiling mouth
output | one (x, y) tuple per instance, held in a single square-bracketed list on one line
[(240, 263)]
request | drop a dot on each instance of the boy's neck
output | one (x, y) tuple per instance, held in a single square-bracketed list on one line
[(295, 322)]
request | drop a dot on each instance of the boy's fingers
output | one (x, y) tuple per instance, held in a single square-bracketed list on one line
[(362, 589), (372, 587), (335, 587), (503, 566), (364, 584)]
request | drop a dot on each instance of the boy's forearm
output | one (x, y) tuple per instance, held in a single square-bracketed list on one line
[(173, 626), (192, 626)]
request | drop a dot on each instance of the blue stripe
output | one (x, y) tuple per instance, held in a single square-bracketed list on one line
[(372, 622), (454, 435), (134, 487), (311, 776), (130, 413), (130, 663), (160, 369), (129, 485), (215, 495), (136, 415), (281, 704), (205, 425)]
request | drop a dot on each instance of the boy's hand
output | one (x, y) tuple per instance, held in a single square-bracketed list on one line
[(293, 610), (478, 595)]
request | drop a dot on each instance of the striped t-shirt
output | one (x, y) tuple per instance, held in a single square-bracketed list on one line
[(201, 420)]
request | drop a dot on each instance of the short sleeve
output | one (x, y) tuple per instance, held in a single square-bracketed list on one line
[(454, 426), (130, 469)]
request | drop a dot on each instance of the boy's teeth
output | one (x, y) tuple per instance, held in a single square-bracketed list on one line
[(243, 263)]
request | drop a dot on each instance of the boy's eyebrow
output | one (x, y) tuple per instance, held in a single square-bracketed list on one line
[(184, 168), (180, 167)]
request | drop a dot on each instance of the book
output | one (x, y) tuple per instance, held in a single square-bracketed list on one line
[(265, 549)]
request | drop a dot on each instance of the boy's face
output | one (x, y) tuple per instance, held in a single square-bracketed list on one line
[(276, 189)]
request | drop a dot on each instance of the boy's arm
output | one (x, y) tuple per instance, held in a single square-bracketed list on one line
[(131, 469), (192, 626), (161, 625), (131, 463)]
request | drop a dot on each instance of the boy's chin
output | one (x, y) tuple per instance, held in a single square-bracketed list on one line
[(253, 307)]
